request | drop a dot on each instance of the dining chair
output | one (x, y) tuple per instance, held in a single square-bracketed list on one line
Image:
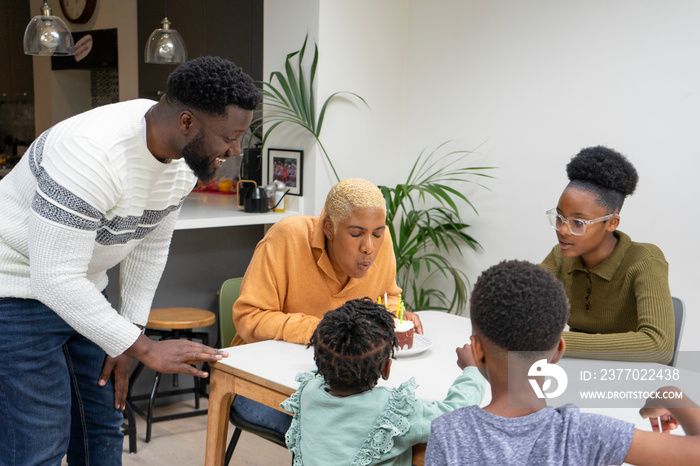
[(679, 320), (228, 294)]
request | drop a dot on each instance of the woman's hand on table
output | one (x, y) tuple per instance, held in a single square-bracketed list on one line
[(413, 317), (465, 358), (174, 356)]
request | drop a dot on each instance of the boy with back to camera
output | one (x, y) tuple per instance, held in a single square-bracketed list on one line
[(519, 307)]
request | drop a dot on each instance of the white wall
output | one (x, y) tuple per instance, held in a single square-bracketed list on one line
[(539, 80), (358, 52), (362, 44), (285, 26), (530, 84)]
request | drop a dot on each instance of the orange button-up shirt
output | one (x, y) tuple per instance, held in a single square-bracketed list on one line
[(290, 283)]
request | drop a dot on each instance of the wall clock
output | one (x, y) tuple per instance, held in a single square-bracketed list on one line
[(78, 11)]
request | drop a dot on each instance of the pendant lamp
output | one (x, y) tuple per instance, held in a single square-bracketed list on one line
[(165, 45), (48, 35)]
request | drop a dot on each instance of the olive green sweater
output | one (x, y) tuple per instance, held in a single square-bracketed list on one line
[(622, 304)]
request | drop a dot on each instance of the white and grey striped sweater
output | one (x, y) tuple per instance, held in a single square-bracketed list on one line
[(86, 196)]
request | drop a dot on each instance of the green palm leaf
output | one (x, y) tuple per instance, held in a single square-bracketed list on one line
[(425, 221), (289, 98)]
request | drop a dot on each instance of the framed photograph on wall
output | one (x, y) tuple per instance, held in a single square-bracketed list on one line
[(286, 165)]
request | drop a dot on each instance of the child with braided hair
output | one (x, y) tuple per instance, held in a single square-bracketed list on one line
[(340, 415)]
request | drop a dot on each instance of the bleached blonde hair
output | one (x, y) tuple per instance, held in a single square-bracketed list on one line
[(351, 194)]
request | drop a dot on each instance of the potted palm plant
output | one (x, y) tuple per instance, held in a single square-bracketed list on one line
[(423, 214), (426, 225), (291, 98)]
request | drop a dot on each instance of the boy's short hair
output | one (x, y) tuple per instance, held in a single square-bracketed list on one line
[(519, 306), (352, 343)]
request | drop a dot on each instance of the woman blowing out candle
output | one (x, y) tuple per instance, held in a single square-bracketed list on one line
[(618, 289), (306, 266)]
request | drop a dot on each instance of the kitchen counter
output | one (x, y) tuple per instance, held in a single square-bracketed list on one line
[(213, 241), (209, 210)]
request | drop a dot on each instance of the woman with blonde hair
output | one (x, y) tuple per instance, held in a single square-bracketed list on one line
[(308, 265)]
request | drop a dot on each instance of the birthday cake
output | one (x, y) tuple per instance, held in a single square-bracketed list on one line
[(404, 333), (404, 329)]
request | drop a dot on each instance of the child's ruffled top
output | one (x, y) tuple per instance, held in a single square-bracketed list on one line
[(375, 427)]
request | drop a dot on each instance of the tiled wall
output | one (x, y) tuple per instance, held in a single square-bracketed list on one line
[(104, 86), (16, 123), (17, 118)]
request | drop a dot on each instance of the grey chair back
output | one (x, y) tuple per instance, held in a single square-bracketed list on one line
[(679, 320)]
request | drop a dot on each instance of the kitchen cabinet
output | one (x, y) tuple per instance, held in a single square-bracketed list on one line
[(17, 78), (231, 29)]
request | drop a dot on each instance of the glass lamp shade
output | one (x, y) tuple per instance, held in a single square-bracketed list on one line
[(48, 35), (165, 45)]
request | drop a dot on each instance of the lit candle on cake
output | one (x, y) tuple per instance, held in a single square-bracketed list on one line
[(404, 329)]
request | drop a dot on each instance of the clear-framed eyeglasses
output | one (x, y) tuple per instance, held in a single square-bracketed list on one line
[(577, 226)]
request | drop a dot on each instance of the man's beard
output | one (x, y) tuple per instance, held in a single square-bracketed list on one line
[(193, 153)]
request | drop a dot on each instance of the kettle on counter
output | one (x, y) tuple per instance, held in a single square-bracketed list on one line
[(254, 197)]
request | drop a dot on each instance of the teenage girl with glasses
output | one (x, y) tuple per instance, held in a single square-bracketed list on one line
[(618, 289)]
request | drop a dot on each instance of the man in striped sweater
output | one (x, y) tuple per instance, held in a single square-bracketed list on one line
[(99, 189)]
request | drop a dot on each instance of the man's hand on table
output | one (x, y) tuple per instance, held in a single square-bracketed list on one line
[(171, 356)]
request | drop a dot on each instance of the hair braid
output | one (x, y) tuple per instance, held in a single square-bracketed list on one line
[(352, 343)]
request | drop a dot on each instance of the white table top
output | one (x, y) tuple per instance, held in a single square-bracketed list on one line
[(206, 210), (435, 369)]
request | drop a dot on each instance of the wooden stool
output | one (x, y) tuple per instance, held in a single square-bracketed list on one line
[(172, 323)]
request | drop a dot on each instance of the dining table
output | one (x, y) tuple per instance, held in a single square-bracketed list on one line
[(265, 372)]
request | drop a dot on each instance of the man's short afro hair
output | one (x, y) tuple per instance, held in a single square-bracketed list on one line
[(211, 84), (519, 306)]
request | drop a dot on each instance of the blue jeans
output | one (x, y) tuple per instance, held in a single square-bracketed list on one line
[(50, 403), (258, 413)]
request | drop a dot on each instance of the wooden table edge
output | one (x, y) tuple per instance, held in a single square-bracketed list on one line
[(218, 370), (253, 378)]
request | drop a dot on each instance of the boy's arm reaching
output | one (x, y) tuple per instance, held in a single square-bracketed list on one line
[(467, 389), (666, 413)]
